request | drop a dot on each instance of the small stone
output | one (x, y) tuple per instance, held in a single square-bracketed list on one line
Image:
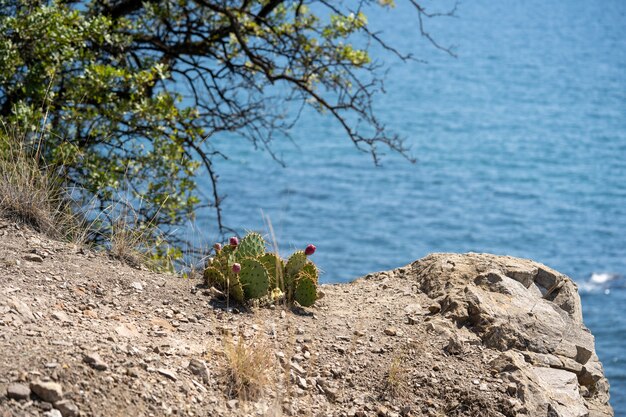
[(137, 285), (299, 370), (33, 257), (331, 393), (95, 361), (18, 391), (475, 381), (511, 389), (53, 413), (434, 308), (61, 316), (283, 314), (47, 391), (405, 411), (168, 374), (391, 331), (67, 408), (23, 310), (199, 368), (454, 347), (127, 330), (302, 382), (382, 411), (90, 313)]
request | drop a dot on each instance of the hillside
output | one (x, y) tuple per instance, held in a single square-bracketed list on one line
[(449, 335)]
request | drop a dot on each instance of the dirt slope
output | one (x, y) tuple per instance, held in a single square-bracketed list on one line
[(83, 334)]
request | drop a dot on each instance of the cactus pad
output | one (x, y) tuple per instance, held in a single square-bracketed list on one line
[(295, 263), (306, 291), (251, 246), (310, 269), (212, 276), (254, 278), (235, 289), (274, 266)]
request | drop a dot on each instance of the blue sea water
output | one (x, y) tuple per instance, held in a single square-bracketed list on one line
[(521, 148)]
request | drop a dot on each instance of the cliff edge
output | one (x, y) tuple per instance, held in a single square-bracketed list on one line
[(82, 334)]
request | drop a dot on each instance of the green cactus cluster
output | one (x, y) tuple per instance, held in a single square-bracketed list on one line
[(247, 271)]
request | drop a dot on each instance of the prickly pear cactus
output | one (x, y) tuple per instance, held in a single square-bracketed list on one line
[(310, 269), (235, 289), (306, 290), (213, 276), (220, 261), (275, 268), (251, 246), (253, 278), (246, 271), (295, 263)]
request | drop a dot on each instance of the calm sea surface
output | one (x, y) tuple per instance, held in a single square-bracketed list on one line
[(521, 147)]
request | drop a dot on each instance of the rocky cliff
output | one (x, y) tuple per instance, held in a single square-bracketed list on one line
[(449, 335)]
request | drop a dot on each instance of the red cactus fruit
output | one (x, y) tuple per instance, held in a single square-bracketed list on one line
[(234, 241), (310, 250), (236, 268)]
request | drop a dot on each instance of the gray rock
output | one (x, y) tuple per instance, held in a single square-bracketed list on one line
[(53, 413), (167, 373), (33, 257), (561, 389), (61, 316), (22, 309), (47, 391), (18, 391), (95, 361), (533, 314), (199, 368), (302, 382), (298, 369), (391, 331), (67, 408)]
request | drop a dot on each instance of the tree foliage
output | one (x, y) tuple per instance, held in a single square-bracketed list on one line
[(135, 92)]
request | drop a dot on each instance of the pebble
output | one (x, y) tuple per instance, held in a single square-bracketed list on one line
[(302, 382), (168, 374), (33, 257), (18, 391), (47, 391), (391, 331), (299, 370), (95, 361), (137, 286), (199, 368), (61, 316), (53, 413), (67, 408)]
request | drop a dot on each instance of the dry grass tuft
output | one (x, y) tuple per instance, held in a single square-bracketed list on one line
[(32, 193), (251, 366), (397, 376), (129, 242)]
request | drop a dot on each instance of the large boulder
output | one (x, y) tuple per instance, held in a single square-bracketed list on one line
[(532, 314)]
